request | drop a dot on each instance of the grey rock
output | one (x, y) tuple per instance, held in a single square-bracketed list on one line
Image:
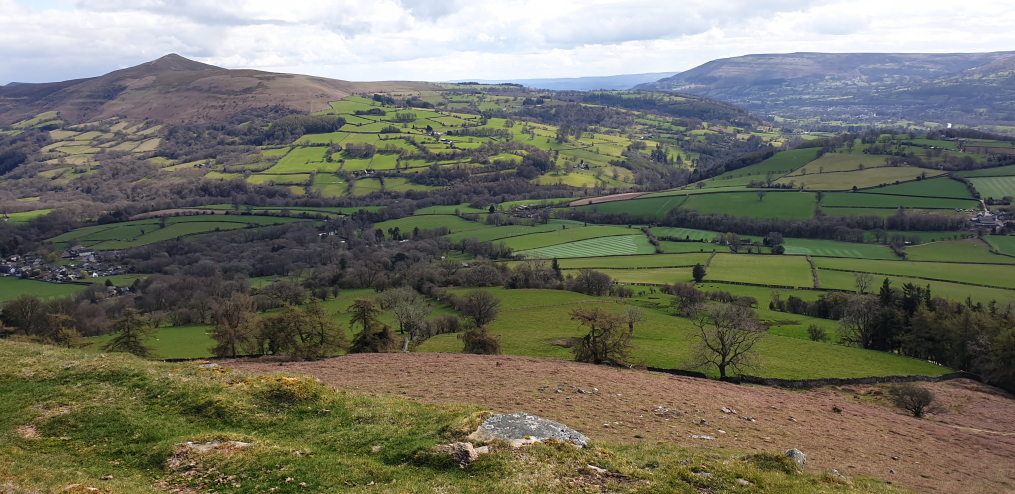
[(798, 456), (216, 446), (521, 428), (207, 366)]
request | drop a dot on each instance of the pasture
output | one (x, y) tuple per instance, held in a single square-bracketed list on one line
[(620, 245), (862, 179), (565, 234), (430, 222), (995, 187), (503, 232), (973, 250), (761, 269), (832, 248), (953, 291), (981, 274), (934, 187), (662, 340), (1002, 171), (654, 207), (1003, 244), (190, 341), (11, 288), (779, 165), (873, 200), (636, 261), (775, 204), (143, 232), (838, 162)]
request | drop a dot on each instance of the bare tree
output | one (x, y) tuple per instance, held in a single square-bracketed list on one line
[(863, 282), (761, 195), (634, 315), (727, 336), (591, 282), (914, 399), (481, 307), (860, 320), (236, 325), (606, 341)]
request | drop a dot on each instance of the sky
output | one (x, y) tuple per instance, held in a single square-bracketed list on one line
[(441, 40)]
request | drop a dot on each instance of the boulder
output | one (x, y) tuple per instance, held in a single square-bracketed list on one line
[(463, 453), (521, 428), (798, 456)]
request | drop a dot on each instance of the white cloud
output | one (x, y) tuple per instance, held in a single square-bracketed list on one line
[(44, 40)]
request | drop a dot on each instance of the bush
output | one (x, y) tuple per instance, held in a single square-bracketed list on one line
[(914, 399), (816, 333), (480, 342)]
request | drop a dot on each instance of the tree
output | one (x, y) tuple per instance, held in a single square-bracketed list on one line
[(634, 315), (860, 320), (914, 399), (698, 272), (131, 333), (727, 336), (375, 336), (303, 334), (555, 266), (606, 341), (816, 333), (761, 195), (236, 326), (591, 282), (862, 281), (480, 341), (481, 307), (23, 313)]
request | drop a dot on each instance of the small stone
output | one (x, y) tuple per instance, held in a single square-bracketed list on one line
[(798, 456), (685, 462), (896, 458), (375, 449), (106, 477), (745, 482), (596, 469), (483, 450), (463, 453), (891, 471), (703, 474)]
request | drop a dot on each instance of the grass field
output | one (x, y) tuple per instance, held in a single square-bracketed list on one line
[(570, 234), (952, 291), (762, 269), (665, 341), (685, 247), (1003, 244), (934, 187), (980, 274), (636, 261), (973, 250), (684, 233), (780, 164), (871, 200), (798, 205), (430, 222), (655, 207), (1002, 171), (502, 232), (871, 177), (303, 160), (190, 341), (620, 245), (995, 187), (11, 288), (838, 162), (143, 232), (832, 248)]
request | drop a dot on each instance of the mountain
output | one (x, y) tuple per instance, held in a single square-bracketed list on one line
[(612, 82), (177, 89), (845, 85)]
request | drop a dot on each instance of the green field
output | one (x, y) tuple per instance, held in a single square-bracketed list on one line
[(776, 204), (636, 261), (863, 179), (430, 222), (684, 233), (980, 274), (995, 187), (973, 250), (780, 164), (11, 288), (303, 160), (665, 341), (1002, 171), (832, 248), (953, 291), (870, 200), (570, 234), (620, 245), (502, 232), (143, 232), (934, 187), (761, 269), (655, 207), (190, 341), (838, 162), (1003, 244)]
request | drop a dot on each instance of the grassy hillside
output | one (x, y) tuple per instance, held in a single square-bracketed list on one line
[(120, 424)]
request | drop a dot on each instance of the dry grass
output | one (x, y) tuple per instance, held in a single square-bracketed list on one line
[(946, 453)]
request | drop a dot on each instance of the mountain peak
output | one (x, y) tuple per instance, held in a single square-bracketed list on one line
[(176, 62)]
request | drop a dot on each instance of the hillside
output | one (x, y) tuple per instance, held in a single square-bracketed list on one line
[(72, 422), (175, 89), (852, 84)]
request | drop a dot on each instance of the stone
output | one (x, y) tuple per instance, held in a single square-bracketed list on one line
[(596, 469), (521, 428), (463, 453), (798, 456), (218, 446), (207, 366), (483, 450)]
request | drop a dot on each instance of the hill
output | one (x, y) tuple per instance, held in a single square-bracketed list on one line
[(852, 84), (591, 83), (175, 89)]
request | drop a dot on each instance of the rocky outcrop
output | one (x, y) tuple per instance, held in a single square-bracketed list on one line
[(521, 428)]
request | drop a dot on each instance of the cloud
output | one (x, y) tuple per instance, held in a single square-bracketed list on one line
[(494, 39)]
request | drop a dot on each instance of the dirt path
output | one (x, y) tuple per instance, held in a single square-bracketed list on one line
[(947, 453)]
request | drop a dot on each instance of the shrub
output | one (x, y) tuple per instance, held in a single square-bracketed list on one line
[(914, 399), (480, 342), (816, 333)]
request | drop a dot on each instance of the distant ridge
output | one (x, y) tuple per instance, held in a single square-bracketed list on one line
[(612, 82), (176, 89)]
